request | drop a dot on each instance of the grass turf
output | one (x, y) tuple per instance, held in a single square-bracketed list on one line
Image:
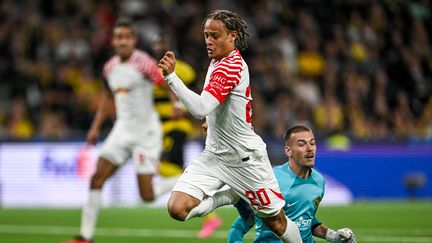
[(378, 222)]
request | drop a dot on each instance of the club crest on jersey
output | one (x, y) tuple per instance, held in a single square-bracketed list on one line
[(121, 90), (318, 200)]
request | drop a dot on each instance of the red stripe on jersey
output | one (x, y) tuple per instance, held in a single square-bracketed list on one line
[(230, 72), (225, 77), (109, 65), (147, 66), (248, 106), (278, 194)]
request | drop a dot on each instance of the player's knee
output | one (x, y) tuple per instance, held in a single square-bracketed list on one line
[(180, 204), (176, 211), (179, 211)]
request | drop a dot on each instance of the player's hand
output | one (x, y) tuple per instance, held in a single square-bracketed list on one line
[(344, 235), (204, 126), (92, 136), (167, 63)]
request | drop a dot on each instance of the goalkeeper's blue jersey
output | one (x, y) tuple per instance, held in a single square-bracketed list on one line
[(302, 197)]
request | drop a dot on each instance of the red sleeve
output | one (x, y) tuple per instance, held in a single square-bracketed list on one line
[(147, 66), (109, 65), (224, 78)]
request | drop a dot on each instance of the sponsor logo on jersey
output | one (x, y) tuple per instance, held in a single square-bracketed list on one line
[(219, 79), (121, 90), (303, 223), (291, 204)]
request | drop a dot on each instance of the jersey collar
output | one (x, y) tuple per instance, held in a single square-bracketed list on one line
[(232, 53)]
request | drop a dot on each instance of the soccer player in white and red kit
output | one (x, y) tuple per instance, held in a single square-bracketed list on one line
[(234, 154), (137, 133)]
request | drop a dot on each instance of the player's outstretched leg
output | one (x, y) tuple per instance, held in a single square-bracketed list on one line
[(283, 228), (209, 203), (150, 189), (246, 212), (182, 206), (91, 209)]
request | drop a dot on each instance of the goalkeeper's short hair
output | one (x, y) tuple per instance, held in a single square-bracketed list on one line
[(295, 129)]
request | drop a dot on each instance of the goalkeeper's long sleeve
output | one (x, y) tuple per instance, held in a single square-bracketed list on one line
[(238, 229), (198, 105)]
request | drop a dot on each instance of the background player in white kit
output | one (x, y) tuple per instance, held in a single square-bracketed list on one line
[(137, 133), (234, 155)]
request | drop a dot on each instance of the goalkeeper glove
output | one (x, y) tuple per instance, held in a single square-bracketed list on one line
[(344, 235)]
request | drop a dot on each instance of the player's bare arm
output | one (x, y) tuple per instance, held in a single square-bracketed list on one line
[(204, 126), (320, 231), (167, 63), (342, 235), (105, 104)]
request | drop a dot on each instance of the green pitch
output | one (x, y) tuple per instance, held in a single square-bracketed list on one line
[(377, 222)]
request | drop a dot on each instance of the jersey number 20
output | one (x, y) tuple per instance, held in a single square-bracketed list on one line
[(258, 198)]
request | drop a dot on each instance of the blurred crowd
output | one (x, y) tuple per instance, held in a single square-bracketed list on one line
[(356, 69)]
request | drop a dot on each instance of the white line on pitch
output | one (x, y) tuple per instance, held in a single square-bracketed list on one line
[(173, 233), (124, 232)]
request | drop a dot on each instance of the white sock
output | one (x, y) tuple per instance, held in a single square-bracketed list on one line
[(90, 213), (210, 203), (164, 185), (291, 234)]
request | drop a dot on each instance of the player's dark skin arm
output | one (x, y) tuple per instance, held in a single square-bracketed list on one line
[(320, 231), (106, 103)]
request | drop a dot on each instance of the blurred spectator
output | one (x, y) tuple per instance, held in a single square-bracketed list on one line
[(425, 124), (2, 120), (53, 126), (19, 125), (381, 93), (362, 69), (286, 45), (328, 115), (58, 95), (73, 47), (310, 60), (307, 91), (403, 117)]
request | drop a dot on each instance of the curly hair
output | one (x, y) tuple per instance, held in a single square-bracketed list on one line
[(233, 22)]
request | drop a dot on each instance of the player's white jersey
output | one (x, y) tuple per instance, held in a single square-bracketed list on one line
[(131, 83), (230, 133)]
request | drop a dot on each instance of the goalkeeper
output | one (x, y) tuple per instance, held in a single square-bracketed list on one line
[(302, 188)]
